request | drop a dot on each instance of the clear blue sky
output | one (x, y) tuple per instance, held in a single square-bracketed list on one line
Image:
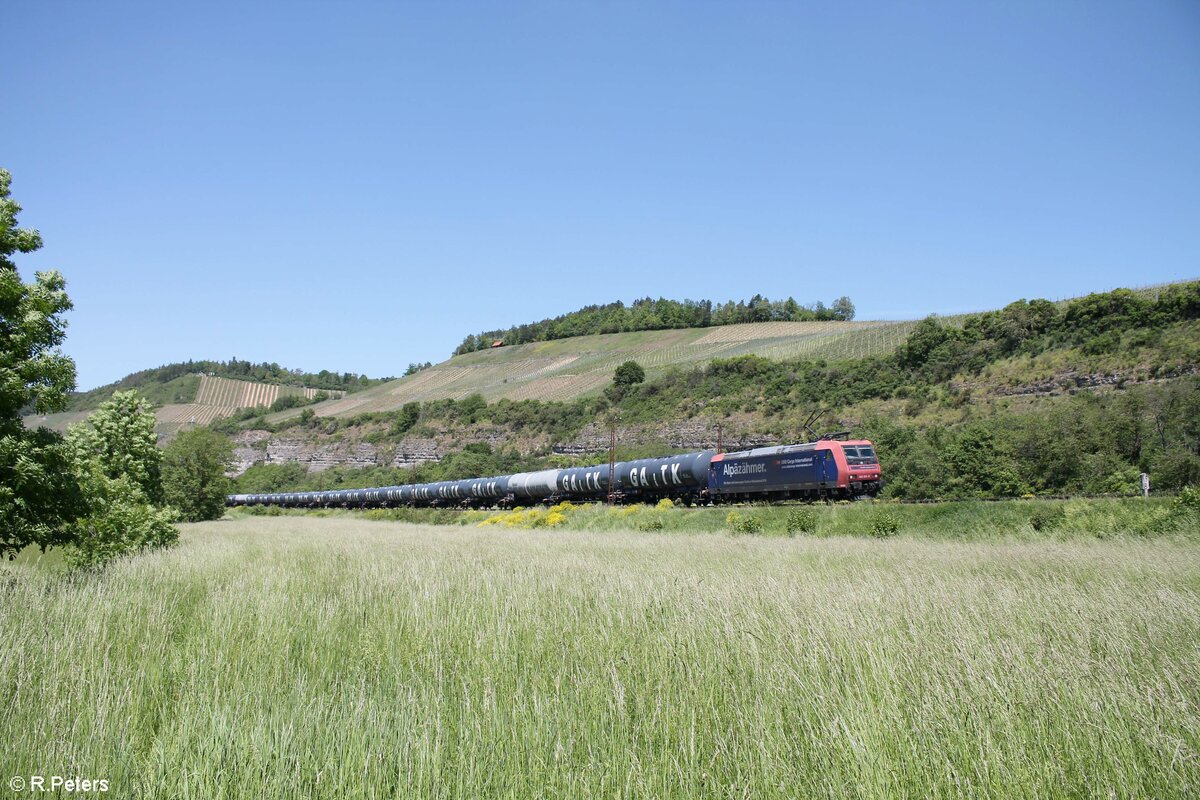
[(355, 186)]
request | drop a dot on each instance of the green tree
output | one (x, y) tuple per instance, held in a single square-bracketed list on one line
[(38, 493), (120, 439), (468, 408), (271, 478), (120, 520), (193, 474), (842, 308), (406, 418), (628, 374), (117, 463), (978, 465)]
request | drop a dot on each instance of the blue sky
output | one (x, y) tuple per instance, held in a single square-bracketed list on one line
[(354, 186)]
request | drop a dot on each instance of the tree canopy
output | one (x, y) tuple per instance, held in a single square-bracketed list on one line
[(38, 494), (95, 490), (120, 439), (117, 462), (648, 314), (628, 374), (193, 470)]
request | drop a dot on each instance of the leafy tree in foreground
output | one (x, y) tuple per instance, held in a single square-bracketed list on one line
[(119, 437), (193, 474), (117, 463), (38, 493), (120, 521)]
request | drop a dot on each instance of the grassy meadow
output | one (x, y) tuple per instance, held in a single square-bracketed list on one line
[(339, 657), (965, 520)]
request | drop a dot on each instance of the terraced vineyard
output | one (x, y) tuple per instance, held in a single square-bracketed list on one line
[(174, 417), (229, 393), (568, 368), (217, 398)]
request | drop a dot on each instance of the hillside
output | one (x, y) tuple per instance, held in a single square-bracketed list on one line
[(1077, 396), (201, 392), (179, 382), (567, 369), (193, 400)]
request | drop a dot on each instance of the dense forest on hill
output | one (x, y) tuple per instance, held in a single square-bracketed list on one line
[(149, 381), (937, 440), (648, 314)]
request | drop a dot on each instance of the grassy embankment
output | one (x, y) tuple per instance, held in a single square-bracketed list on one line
[(966, 520), (299, 657)]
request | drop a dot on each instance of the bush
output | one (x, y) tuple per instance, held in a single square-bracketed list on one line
[(653, 524), (121, 522), (1046, 518), (1182, 515), (530, 518), (885, 523), (1159, 521), (286, 401), (406, 418), (1104, 343), (118, 441), (1188, 500), (802, 520), (743, 523), (264, 511)]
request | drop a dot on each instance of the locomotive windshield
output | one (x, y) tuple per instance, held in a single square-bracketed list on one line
[(857, 456)]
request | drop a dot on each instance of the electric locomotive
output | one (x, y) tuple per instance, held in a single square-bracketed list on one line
[(815, 470)]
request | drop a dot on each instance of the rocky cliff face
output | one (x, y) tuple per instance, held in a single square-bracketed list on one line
[(684, 436), (1074, 381), (318, 452)]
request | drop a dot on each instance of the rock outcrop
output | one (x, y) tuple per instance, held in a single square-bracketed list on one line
[(318, 452)]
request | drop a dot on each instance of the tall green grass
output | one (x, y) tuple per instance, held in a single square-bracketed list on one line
[(968, 520), (300, 657)]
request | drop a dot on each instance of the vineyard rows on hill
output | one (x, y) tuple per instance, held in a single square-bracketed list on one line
[(229, 393), (568, 368), (216, 398)]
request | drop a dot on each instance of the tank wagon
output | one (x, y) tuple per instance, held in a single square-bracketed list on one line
[(824, 469)]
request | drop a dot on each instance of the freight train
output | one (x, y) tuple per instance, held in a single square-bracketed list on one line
[(823, 469)]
